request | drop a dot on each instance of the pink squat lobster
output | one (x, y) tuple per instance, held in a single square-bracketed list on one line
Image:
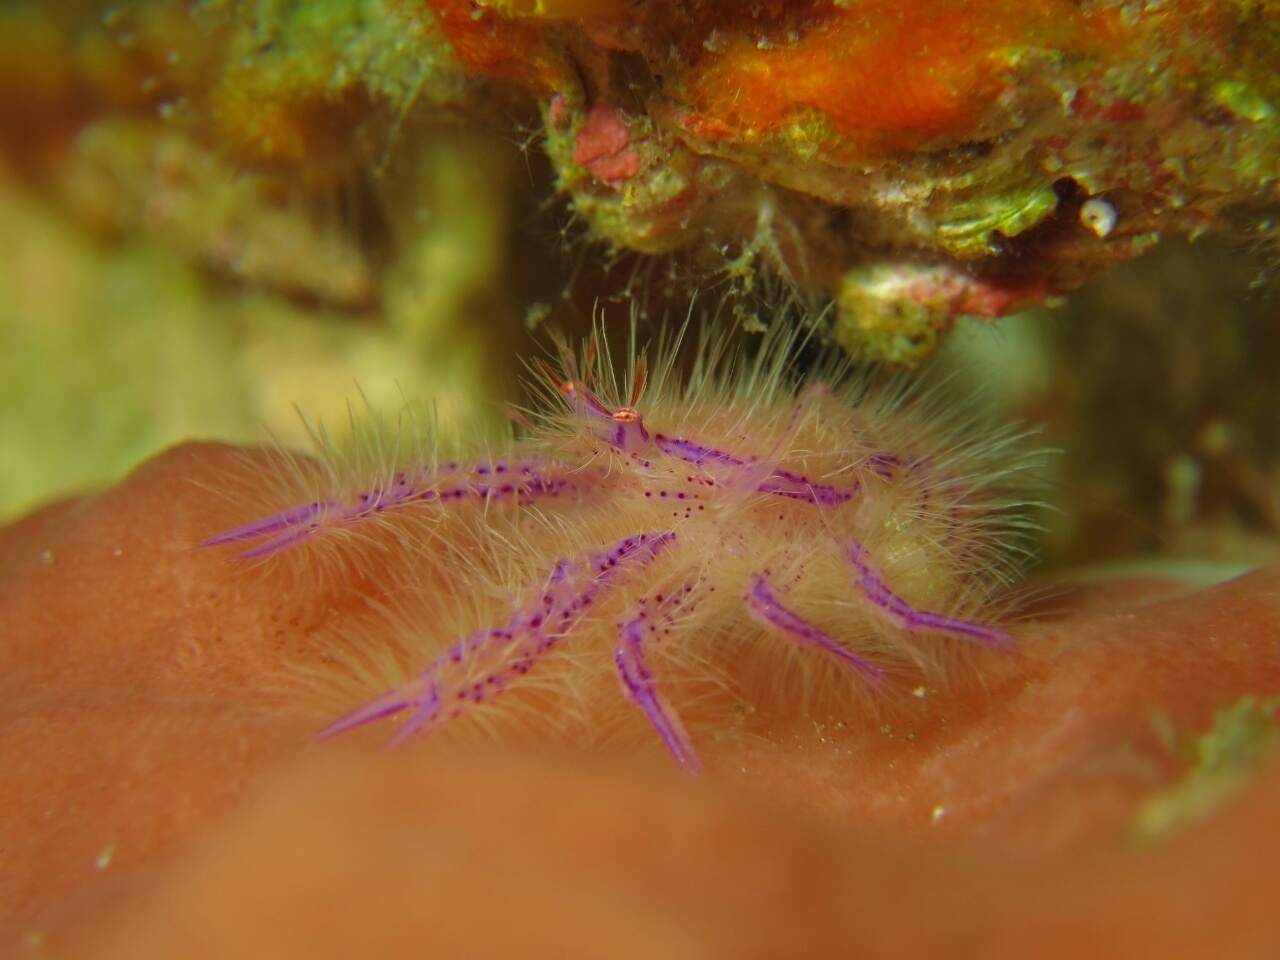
[(643, 467)]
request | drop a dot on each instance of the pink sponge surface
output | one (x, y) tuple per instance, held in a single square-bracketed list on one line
[(163, 794)]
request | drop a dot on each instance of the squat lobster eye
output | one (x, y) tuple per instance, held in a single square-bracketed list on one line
[(629, 436)]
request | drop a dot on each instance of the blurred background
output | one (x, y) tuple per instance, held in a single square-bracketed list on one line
[(213, 212)]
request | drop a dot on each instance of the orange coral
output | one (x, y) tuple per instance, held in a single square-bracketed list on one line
[(885, 73), (491, 44)]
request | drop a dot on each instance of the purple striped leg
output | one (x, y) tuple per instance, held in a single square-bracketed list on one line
[(640, 687), (521, 482), (767, 610), (725, 470), (482, 666), (901, 614)]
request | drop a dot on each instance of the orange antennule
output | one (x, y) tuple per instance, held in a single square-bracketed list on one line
[(637, 384)]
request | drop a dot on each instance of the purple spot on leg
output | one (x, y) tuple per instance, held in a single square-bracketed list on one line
[(884, 464)]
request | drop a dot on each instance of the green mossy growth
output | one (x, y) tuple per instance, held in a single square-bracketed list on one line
[(1222, 760)]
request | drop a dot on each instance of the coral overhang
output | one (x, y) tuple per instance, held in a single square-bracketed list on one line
[(864, 148)]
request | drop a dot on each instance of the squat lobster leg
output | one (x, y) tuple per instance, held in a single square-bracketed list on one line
[(419, 692), (521, 482), (767, 610), (483, 665), (640, 687), (901, 614)]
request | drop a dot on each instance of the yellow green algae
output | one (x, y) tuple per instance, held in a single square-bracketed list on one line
[(968, 231), (286, 49), (1221, 760)]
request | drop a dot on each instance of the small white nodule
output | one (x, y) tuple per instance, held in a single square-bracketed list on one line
[(1099, 216)]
